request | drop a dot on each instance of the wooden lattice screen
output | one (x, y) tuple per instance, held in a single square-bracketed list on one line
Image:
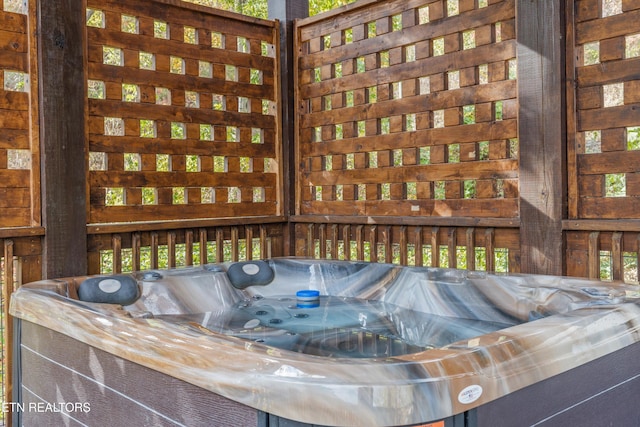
[(182, 113), (606, 177), (409, 109), (604, 139), (19, 158)]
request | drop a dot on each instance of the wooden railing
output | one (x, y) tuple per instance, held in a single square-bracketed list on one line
[(468, 247), (600, 250), (115, 249)]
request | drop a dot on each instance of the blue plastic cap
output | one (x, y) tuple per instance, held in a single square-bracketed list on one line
[(308, 304), (308, 294)]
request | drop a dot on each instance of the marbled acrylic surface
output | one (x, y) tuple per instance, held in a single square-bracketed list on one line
[(472, 337)]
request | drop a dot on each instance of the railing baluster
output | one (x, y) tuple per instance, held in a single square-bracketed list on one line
[(417, 241), (322, 237), (404, 255), (360, 242), (235, 245), (471, 249), (373, 242), (188, 245), (594, 255), (346, 239), (453, 248), (154, 250), (171, 249), (7, 320), (204, 247), (490, 245), (248, 237), (219, 245), (310, 250), (116, 245), (264, 254), (388, 244), (334, 241), (135, 251), (435, 247), (617, 255)]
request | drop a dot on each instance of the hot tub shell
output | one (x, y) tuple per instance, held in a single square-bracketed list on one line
[(567, 352)]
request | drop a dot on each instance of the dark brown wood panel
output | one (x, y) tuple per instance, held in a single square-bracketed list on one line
[(182, 113), (19, 144), (402, 110), (606, 146)]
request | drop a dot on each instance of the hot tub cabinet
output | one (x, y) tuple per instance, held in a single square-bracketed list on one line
[(293, 342)]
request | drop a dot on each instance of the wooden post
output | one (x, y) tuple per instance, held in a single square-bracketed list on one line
[(542, 114), (286, 11), (61, 43)]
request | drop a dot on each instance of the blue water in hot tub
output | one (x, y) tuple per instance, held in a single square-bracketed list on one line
[(336, 326)]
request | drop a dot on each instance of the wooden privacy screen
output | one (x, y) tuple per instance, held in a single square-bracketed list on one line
[(182, 113), (408, 108), (604, 171), (19, 158)]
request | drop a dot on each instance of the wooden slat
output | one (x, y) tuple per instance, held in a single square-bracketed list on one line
[(333, 238), (594, 255), (489, 239), (572, 136), (154, 250), (308, 242), (248, 236), (117, 253), (471, 248), (617, 256), (7, 320), (219, 235), (452, 248), (189, 247), (203, 240), (135, 252), (402, 241), (346, 238), (373, 242), (235, 244), (359, 238), (171, 249), (435, 247), (322, 237), (417, 241)]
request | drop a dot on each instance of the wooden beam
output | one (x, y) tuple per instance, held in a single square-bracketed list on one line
[(542, 138), (286, 11), (61, 64)]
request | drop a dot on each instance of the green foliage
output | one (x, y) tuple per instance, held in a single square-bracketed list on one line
[(259, 9), (615, 185)]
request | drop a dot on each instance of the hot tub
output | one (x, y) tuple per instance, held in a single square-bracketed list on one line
[(294, 342)]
